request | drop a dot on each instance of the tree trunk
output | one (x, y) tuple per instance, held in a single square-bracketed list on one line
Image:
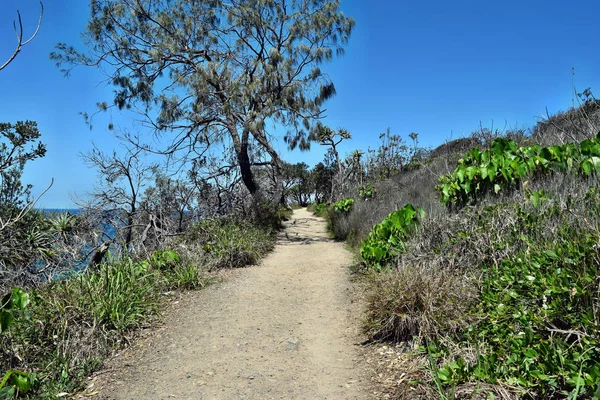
[(241, 151), (99, 255), (246, 169), (279, 193), (129, 229)]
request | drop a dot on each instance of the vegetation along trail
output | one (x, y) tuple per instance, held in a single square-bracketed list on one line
[(283, 329)]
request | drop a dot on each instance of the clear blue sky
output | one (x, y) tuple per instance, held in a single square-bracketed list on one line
[(437, 68)]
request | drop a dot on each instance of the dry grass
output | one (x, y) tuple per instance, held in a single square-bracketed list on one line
[(573, 125), (416, 187), (419, 301)]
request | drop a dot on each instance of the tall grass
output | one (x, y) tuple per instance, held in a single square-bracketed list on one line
[(73, 324), (228, 243)]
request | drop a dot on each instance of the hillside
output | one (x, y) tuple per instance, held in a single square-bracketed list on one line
[(485, 264)]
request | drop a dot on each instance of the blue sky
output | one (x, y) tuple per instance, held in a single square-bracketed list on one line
[(438, 68)]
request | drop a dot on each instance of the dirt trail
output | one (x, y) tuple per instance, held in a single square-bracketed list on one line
[(283, 330)]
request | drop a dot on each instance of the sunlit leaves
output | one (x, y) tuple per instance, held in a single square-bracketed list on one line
[(387, 238), (506, 164), (344, 205)]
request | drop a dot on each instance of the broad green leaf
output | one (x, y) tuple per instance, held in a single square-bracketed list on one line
[(587, 167), (460, 174), (20, 298), (6, 319)]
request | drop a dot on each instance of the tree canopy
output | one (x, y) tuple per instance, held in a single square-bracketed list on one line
[(208, 71)]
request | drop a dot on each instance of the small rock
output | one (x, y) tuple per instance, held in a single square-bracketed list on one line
[(292, 344)]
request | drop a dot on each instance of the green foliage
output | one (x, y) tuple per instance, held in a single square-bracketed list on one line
[(366, 192), (14, 381), (62, 223), (17, 147), (536, 316), (387, 238), (322, 181), (165, 259), (232, 58), (74, 323), (184, 276), (343, 206), (321, 210), (506, 164), (24, 236), (389, 158), (265, 215), (34, 237), (229, 243), (331, 138), (542, 332), (537, 197), (297, 182), (12, 303), (121, 295)]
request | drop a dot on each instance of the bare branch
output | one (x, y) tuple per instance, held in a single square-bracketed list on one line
[(19, 33)]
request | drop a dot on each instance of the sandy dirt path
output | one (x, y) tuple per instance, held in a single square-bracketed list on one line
[(285, 329)]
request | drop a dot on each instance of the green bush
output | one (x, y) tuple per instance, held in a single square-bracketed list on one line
[(366, 192), (343, 206), (13, 306), (267, 215), (321, 210), (506, 164), (122, 295), (231, 244), (538, 319), (536, 324), (387, 238)]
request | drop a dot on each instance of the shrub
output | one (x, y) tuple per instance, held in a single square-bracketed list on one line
[(344, 205), (537, 326), (184, 276), (418, 301), (321, 210), (265, 214), (366, 192), (122, 295), (73, 324), (534, 325), (506, 164), (387, 238), (12, 306), (416, 187), (231, 244)]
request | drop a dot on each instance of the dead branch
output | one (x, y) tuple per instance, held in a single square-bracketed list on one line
[(19, 32)]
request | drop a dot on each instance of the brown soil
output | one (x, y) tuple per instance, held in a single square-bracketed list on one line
[(286, 329)]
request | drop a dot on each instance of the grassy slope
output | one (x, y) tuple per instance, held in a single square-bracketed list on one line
[(500, 297)]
